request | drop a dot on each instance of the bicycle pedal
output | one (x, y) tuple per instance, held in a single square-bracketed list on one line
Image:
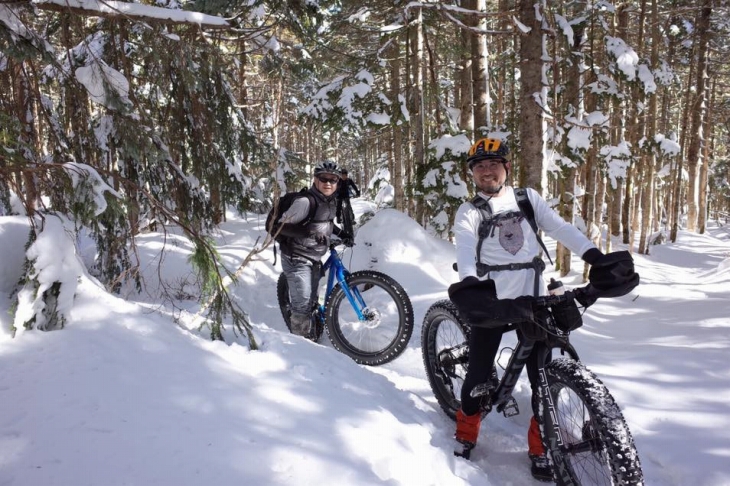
[(511, 409)]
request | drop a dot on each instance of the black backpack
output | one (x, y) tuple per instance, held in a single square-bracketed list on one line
[(282, 206)]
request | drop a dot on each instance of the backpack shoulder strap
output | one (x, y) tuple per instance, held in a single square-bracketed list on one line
[(485, 226), (312, 206), (304, 192), (523, 201)]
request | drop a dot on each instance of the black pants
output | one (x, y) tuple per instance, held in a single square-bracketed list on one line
[(483, 346)]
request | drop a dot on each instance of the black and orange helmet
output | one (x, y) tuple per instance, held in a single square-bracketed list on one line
[(487, 148)]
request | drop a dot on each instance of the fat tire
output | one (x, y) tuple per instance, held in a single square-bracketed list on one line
[(613, 458), (447, 393), (282, 294), (370, 279)]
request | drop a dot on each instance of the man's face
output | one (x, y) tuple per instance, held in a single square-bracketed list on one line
[(489, 175), (326, 183)]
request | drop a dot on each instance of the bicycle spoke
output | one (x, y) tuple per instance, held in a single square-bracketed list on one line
[(596, 445), (380, 325), (370, 319), (589, 463), (445, 355)]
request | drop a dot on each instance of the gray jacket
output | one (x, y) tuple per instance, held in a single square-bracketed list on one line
[(304, 244)]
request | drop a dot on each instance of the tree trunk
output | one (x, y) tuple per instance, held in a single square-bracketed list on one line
[(706, 160), (696, 141), (684, 134), (466, 106), (649, 159), (417, 112), (398, 185), (479, 73), (531, 128), (633, 133)]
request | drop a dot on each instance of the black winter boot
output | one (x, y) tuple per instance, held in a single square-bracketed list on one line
[(541, 469), (301, 324)]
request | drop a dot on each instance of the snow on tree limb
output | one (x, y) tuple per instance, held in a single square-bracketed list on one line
[(114, 9)]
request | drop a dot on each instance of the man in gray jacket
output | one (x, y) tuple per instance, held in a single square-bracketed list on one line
[(307, 243)]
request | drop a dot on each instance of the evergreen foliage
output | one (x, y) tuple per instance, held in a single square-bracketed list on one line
[(174, 123)]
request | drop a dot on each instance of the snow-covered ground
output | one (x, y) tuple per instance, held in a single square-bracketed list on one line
[(126, 395)]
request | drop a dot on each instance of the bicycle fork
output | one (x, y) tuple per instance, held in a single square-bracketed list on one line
[(352, 293)]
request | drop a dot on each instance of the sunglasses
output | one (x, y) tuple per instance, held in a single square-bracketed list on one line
[(328, 180), (490, 165)]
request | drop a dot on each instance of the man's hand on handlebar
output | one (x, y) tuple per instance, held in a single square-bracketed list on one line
[(586, 296), (347, 239)]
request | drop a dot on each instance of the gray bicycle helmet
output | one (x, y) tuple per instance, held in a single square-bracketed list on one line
[(328, 167)]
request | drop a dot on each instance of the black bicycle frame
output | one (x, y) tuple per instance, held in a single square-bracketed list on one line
[(501, 397)]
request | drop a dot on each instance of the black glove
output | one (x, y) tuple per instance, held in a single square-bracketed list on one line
[(586, 296), (347, 239), (613, 275), (592, 256)]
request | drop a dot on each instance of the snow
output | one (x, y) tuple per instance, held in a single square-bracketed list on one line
[(94, 76), (80, 173), (457, 145), (128, 394), (523, 28), (113, 7), (626, 58)]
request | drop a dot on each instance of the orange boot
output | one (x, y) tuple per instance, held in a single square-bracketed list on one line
[(540, 467), (467, 432)]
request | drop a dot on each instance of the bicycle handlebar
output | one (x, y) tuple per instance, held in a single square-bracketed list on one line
[(586, 296), (335, 243)]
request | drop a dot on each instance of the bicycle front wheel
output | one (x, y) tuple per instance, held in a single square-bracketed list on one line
[(382, 333), (586, 434), (445, 348)]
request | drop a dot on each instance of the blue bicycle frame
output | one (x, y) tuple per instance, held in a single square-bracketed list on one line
[(337, 274)]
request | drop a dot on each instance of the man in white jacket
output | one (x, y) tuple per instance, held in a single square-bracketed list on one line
[(511, 240)]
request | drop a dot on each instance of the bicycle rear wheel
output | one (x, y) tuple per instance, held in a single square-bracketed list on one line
[(282, 294), (388, 318), (444, 344), (586, 434)]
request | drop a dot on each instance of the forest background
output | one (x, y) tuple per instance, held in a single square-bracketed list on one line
[(125, 118)]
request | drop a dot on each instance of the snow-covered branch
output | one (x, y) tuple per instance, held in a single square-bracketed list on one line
[(116, 9)]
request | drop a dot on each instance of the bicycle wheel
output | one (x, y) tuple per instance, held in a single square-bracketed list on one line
[(384, 333), (594, 446), (444, 344), (282, 294)]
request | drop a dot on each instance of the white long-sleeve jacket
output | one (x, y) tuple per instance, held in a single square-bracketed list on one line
[(511, 242)]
